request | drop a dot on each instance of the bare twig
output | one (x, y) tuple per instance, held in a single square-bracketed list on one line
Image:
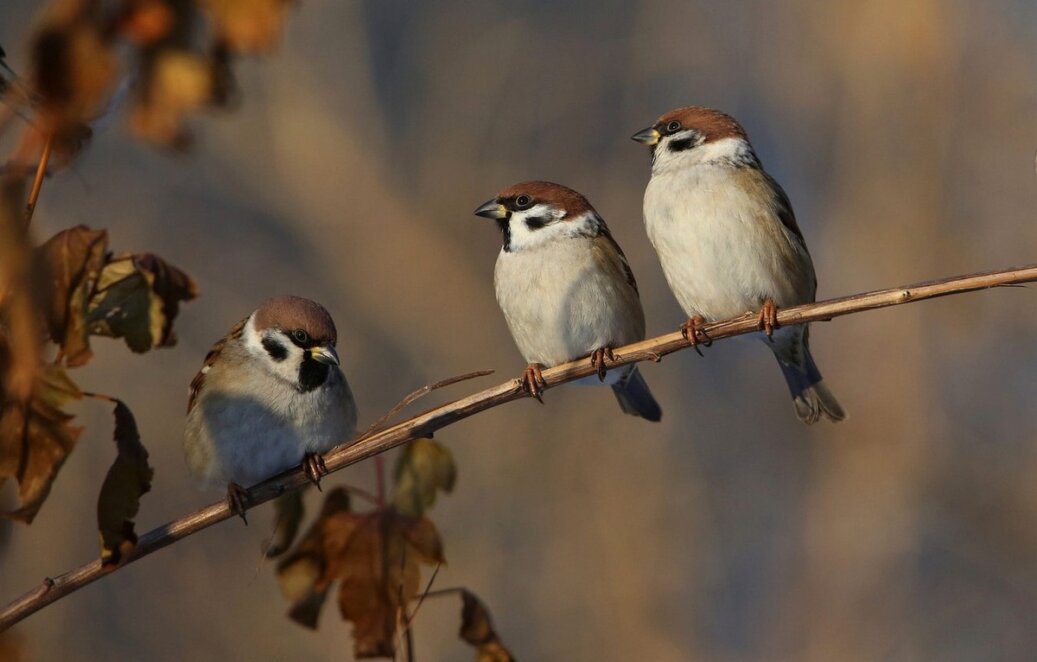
[(37, 183), (419, 393), (423, 424), (379, 461), (424, 594)]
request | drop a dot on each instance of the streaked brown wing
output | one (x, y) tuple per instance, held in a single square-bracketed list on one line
[(784, 205), (606, 235), (210, 359)]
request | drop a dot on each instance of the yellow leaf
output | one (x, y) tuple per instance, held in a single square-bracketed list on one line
[(424, 468)]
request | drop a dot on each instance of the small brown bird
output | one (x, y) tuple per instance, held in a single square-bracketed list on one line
[(269, 395), (566, 289), (728, 241)]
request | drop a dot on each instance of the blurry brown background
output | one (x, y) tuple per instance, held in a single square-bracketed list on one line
[(904, 134)]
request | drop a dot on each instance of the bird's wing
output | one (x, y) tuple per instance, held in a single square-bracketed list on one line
[(609, 246), (210, 359)]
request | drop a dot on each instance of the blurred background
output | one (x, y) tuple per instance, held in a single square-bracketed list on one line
[(904, 134)]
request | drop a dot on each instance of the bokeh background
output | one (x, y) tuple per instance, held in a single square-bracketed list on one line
[(904, 134)]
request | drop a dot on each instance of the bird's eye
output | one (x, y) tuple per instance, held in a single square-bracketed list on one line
[(523, 201), (673, 127), (300, 336)]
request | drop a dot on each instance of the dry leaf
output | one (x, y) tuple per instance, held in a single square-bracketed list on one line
[(147, 21), (299, 572), (127, 480), (247, 26), (424, 468), (71, 262), (36, 437), (477, 629), (175, 83), (377, 558), (18, 309), (73, 66), (136, 298)]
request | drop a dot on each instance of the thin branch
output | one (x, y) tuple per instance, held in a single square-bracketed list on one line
[(424, 424), (424, 594), (379, 461), (37, 183), (440, 592), (419, 393)]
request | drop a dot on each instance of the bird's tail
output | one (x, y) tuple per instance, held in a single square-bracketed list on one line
[(810, 395), (635, 398)]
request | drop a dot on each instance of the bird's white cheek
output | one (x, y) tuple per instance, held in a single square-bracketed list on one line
[(524, 237)]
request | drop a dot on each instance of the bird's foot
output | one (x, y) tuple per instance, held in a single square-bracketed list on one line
[(533, 381), (694, 333), (237, 499), (768, 319), (314, 467), (599, 360)]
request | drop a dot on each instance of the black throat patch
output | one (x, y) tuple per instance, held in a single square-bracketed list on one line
[(505, 229), (312, 374)]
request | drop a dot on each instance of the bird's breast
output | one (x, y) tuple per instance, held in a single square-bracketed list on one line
[(721, 245), (560, 303)]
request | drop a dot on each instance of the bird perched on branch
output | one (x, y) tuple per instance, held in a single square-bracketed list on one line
[(566, 289), (269, 396), (728, 241)]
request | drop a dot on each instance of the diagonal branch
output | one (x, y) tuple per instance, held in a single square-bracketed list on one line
[(424, 424)]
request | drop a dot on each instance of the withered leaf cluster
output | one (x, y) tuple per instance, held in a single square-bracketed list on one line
[(89, 291), (176, 53), (76, 288), (376, 557)]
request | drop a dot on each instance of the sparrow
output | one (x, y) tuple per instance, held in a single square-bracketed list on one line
[(729, 243), (566, 288), (270, 395)]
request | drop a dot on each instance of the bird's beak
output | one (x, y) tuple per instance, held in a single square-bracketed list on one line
[(491, 209), (325, 354), (648, 136)]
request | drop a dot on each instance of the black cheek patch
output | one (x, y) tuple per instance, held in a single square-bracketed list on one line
[(537, 222), (312, 374), (684, 143), (276, 350)]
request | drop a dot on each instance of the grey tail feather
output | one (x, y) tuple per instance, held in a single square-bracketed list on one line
[(810, 395), (635, 398)]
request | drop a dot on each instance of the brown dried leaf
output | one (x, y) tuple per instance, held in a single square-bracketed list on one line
[(73, 66), (477, 629), (136, 298), (20, 340), (176, 83), (12, 647), (299, 572), (127, 480), (71, 262), (147, 21), (36, 437), (377, 558), (424, 468), (247, 26)]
